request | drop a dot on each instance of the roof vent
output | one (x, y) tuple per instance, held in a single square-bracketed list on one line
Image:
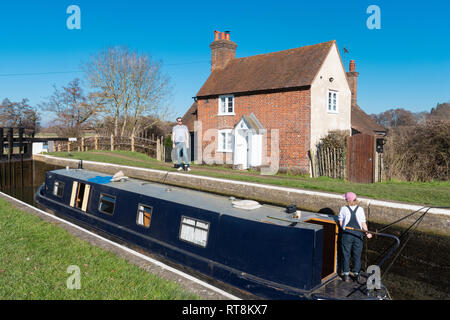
[(246, 204)]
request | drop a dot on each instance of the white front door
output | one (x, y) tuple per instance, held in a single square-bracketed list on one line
[(241, 147)]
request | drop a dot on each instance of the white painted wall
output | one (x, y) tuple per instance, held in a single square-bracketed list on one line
[(323, 121)]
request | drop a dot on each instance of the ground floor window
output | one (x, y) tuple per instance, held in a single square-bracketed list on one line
[(225, 140)]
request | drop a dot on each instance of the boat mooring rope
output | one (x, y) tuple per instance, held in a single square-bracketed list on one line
[(405, 234)]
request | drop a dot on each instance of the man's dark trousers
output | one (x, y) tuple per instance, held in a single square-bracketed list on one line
[(352, 245)]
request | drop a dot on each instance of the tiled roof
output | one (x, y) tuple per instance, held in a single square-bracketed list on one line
[(363, 123), (277, 70), (190, 116)]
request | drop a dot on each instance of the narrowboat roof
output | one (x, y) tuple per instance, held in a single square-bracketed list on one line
[(200, 199)]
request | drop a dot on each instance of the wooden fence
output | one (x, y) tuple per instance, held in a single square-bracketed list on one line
[(330, 162), (357, 163), (152, 147)]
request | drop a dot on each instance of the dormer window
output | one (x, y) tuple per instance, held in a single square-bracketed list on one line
[(226, 105)]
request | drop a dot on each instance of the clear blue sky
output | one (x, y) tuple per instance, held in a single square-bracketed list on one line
[(405, 64)]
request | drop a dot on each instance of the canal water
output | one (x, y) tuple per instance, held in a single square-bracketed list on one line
[(421, 270)]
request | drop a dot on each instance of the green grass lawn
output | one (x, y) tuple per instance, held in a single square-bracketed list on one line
[(435, 193), (36, 254)]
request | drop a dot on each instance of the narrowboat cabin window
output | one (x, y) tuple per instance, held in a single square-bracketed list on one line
[(194, 231), (58, 188), (144, 215), (80, 195), (106, 204)]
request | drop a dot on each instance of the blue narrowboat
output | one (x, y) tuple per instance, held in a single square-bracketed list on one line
[(260, 249)]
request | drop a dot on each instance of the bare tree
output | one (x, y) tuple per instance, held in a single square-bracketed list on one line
[(129, 85), (73, 109), (150, 89), (103, 73), (395, 118), (441, 112), (19, 114)]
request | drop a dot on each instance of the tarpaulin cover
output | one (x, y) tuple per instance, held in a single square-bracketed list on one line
[(100, 180)]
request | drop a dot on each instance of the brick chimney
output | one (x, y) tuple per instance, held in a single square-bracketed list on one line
[(222, 50), (352, 78)]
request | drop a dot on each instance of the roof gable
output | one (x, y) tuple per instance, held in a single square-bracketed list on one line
[(277, 70), (251, 122)]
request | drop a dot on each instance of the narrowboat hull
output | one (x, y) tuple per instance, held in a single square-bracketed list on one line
[(262, 251)]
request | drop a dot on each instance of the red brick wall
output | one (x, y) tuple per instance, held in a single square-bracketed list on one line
[(289, 112), (352, 78), (222, 51)]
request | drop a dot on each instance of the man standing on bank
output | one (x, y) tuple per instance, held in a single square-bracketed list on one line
[(180, 138), (352, 216)]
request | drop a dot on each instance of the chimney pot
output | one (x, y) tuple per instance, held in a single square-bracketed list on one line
[(222, 51), (216, 35), (352, 77), (352, 66)]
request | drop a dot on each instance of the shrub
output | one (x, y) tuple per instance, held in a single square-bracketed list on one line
[(418, 153), (336, 139)]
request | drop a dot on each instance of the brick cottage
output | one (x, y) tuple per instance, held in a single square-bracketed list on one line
[(303, 93)]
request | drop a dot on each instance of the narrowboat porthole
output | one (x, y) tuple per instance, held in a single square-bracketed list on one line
[(106, 204), (58, 188), (144, 215), (194, 231)]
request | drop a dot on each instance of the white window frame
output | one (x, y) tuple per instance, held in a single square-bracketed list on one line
[(194, 231), (220, 144), (330, 108), (224, 105)]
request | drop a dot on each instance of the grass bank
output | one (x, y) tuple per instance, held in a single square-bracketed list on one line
[(427, 193), (35, 256)]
